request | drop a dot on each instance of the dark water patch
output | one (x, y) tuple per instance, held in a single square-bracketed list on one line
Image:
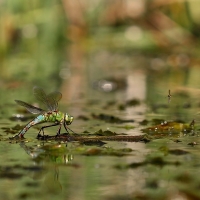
[(177, 141), (153, 184), (109, 104), (33, 168), (129, 103), (10, 175), (144, 122), (107, 152), (187, 105), (32, 184), (86, 132), (93, 102), (178, 152), (159, 161), (93, 143), (156, 107), (100, 132), (121, 107), (133, 102), (184, 177), (111, 118), (24, 195), (8, 172), (83, 117), (73, 165), (192, 143), (13, 130), (156, 161)]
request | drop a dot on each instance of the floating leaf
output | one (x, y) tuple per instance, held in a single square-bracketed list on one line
[(168, 128)]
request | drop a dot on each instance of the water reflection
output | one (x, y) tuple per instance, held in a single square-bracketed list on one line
[(53, 153), (91, 178), (46, 161)]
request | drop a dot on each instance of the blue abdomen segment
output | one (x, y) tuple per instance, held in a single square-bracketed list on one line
[(37, 120)]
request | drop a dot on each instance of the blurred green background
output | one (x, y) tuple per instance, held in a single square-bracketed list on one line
[(46, 42), (68, 45)]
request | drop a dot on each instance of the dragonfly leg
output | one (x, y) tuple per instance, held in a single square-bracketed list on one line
[(42, 129), (66, 128), (58, 132)]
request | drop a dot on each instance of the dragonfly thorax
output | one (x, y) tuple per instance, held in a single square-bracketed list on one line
[(68, 119)]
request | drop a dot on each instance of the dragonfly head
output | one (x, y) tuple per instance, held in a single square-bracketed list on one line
[(68, 119)]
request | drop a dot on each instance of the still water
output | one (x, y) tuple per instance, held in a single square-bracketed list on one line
[(165, 168)]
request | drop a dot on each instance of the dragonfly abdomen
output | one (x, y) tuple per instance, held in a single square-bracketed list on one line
[(37, 120)]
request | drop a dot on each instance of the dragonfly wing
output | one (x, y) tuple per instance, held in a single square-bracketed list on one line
[(30, 108), (41, 96), (51, 100), (54, 97)]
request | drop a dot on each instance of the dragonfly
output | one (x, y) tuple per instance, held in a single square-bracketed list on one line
[(50, 114)]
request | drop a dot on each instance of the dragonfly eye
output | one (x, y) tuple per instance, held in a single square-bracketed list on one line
[(68, 119)]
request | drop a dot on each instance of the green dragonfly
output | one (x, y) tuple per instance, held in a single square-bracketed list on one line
[(51, 114)]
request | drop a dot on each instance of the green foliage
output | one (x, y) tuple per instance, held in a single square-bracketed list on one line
[(32, 47)]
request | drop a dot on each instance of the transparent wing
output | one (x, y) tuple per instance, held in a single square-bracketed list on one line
[(40, 94), (51, 100), (54, 98), (29, 107)]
